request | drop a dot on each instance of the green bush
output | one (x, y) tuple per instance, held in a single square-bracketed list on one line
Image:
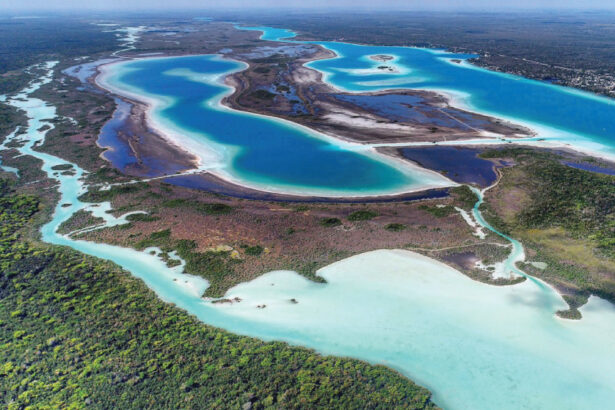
[(330, 222), (204, 207), (438, 211), (464, 195), (362, 215), (141, 218), (255, 250)]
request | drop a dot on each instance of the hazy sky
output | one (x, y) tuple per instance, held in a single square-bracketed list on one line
[(276, 4)]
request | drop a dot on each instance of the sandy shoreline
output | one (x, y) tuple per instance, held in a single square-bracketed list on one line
[(546, 136), (211, 183)]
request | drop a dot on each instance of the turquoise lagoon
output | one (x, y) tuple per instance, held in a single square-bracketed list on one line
[(475, 346), (561, 115), (261, 152)]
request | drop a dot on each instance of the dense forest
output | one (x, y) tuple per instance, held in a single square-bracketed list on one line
[(24, 42), (581, 202)]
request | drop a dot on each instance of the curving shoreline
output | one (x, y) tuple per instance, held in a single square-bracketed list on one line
[(292, 197), (166, 132)]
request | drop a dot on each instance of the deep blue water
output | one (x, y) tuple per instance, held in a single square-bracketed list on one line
[(591, 168), (266, 152), (504, 95), (459, 164)]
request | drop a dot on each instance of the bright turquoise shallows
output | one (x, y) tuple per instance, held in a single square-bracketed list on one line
[(261, 152)]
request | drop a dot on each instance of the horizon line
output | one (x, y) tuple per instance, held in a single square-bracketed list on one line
[(356, 9)]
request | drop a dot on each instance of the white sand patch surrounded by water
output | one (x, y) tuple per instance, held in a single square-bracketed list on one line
[(478, 230)]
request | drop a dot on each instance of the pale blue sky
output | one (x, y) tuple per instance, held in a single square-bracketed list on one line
[(115, 5)]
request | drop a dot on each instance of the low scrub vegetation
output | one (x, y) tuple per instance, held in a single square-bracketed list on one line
[(330, 222), (362, 215), (563, 215)]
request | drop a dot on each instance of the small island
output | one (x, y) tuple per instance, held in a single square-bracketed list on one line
[(382, 57)]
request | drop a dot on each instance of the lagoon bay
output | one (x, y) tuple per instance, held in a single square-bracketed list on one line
[(497, 339), (283, 157)]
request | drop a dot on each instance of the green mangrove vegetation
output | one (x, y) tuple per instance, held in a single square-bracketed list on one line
[(330, 222), (438, 211), (206, 208), (362, 215), (564, 216), (395, 227)]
